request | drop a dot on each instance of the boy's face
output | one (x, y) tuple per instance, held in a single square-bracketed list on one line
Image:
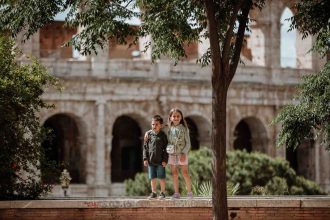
[(156, 126)]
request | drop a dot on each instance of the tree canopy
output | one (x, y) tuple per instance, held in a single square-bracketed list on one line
[(313, 18), (21, 134), (309, 115)]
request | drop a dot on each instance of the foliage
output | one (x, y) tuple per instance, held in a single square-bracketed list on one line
[(172, 24), (274, 174), (205, 189), (200, 171), (312, 18), (21, 135), (309, 117), (258, 190), (247, 173), (277, 186)]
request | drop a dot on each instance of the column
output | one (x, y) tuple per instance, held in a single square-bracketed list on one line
[(100, 186), (271, 27), (143, 41), (100, 60)]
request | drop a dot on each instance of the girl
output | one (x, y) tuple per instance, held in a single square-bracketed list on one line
[(178, 135)]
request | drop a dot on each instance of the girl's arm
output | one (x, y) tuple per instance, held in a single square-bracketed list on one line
[(187, 147), (146, 136)]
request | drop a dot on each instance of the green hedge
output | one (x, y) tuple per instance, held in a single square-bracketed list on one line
[(256, 174)]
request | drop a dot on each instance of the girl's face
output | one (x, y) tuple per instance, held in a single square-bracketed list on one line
[(176, 118)]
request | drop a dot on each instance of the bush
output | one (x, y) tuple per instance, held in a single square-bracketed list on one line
[(247, 173), (274, 174), (21, 134)]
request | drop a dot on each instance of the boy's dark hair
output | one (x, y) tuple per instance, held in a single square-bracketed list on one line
[(158, 118)]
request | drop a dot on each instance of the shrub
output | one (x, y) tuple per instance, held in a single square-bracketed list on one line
[(247, 173), (274, 174), (21, 134)]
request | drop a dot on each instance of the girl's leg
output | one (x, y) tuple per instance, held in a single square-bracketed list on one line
[(175, 175), (186, 177)]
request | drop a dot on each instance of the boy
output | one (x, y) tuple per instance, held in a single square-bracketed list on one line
[(155, 156)]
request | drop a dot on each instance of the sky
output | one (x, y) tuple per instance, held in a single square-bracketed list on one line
[(288, 41)]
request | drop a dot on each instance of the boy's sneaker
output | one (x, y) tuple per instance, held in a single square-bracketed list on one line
[(190, 195), (152, 196), (176, 196), (161, 195)]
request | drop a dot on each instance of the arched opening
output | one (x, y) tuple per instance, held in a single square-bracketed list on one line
[(64, 148), (193, 133), (250, 134), (242, 135), (288, 41), (126, 154), (199, 130), (302, 159)]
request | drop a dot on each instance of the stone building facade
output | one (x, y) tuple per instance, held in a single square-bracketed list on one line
[(108, 99)]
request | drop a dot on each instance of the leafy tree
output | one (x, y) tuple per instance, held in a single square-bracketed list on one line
[(312, 18), (171, 24), (309, 116), (21, 87)]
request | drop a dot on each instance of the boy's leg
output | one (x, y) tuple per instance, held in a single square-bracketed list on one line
[(162, 185), (152, 173), (153, 185), (161, 175), (153, 194)]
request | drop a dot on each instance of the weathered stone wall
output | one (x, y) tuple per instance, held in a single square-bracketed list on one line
[(246, 208)]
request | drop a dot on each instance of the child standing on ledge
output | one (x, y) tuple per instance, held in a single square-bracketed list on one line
[(155, 156), (178, 135)]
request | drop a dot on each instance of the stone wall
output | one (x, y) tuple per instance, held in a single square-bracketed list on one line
[(246, 208)]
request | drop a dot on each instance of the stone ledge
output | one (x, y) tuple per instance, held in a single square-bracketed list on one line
[(141, 202)]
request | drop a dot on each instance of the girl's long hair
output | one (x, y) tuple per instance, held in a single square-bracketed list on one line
[(182, 121)]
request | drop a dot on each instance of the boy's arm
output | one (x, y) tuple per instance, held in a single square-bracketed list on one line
[(145, 151)]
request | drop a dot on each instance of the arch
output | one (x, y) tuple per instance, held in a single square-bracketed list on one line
[(250, 134), (126, 153), (288, 41), (200, 131), (302, 159), (193, 133), (66, 147)]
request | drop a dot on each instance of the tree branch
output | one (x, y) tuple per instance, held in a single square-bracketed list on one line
[(229, 35), (239, 39), (214, 40)]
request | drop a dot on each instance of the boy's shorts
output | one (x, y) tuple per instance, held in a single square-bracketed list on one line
[(156, 171)]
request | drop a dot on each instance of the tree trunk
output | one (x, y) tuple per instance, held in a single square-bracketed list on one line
[(219, 99)]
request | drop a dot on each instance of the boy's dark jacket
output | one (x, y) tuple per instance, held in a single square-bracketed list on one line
[(154, 150)]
